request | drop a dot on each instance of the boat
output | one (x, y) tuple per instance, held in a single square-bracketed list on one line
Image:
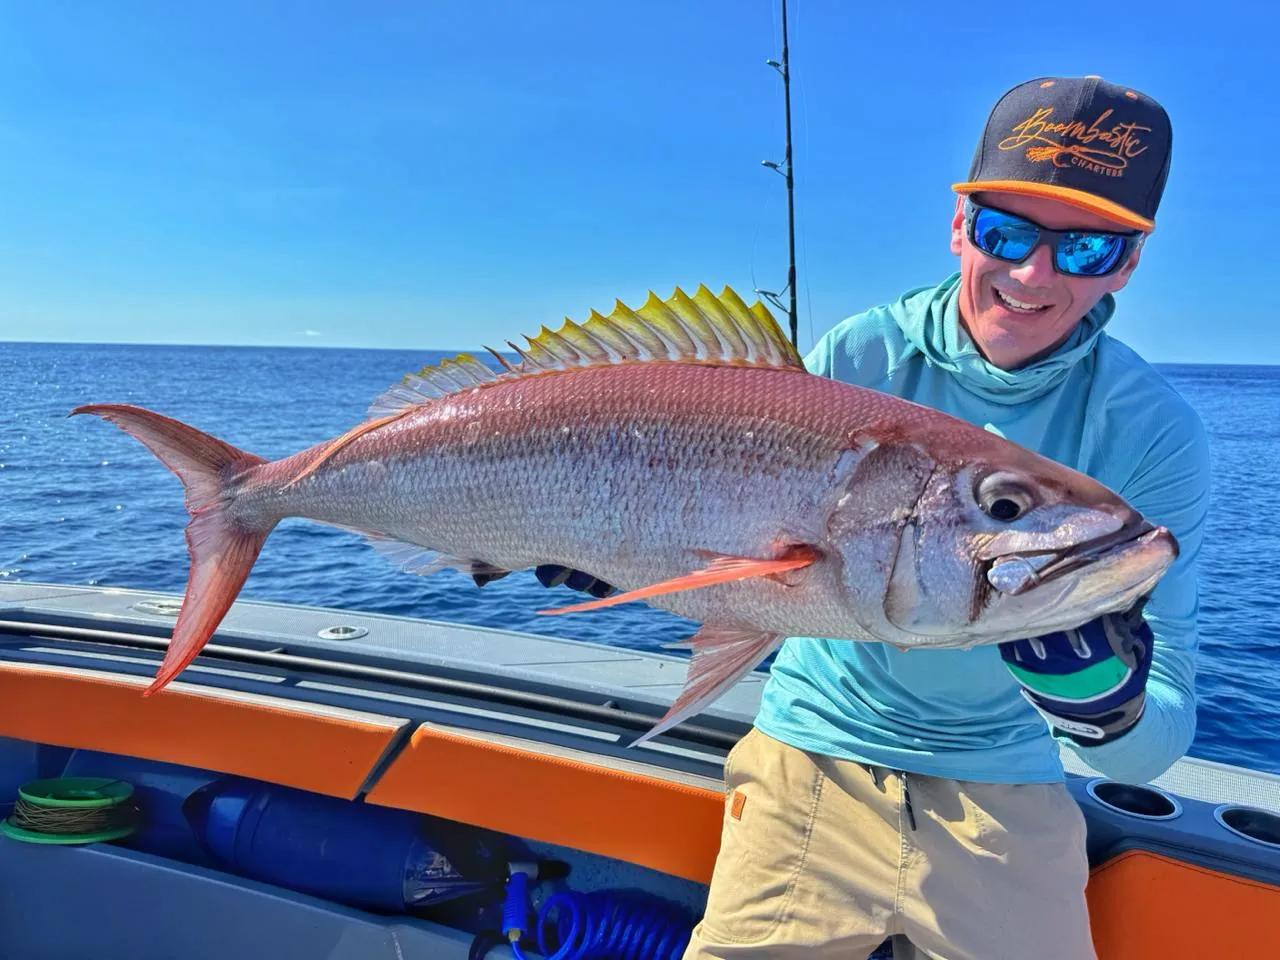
[(275, 783)]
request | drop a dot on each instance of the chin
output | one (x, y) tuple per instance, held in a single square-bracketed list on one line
[(1003, 338), (1010, 339)]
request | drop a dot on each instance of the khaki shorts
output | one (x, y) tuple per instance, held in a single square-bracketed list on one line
[(818, 858)]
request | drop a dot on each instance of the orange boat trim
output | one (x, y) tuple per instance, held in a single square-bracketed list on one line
[(313, 747), (1144, 906), (526, 789)]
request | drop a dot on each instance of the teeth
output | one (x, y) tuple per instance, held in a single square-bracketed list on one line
[(1017, 304)]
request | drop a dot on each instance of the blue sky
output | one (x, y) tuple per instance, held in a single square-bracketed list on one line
[(442, 174)]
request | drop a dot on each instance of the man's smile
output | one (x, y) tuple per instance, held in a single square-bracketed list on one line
[(1016, 305)]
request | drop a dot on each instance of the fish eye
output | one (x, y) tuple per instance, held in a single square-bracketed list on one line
[(1003, 508), (1002, 498)]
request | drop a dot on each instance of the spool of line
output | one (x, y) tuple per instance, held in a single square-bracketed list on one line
[(72, 810)]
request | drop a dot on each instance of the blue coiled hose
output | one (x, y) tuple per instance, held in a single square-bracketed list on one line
[(617, 925)]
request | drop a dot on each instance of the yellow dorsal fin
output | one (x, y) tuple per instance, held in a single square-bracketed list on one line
[(703, 328)]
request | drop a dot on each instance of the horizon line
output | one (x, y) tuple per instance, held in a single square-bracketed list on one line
[(453, 350)]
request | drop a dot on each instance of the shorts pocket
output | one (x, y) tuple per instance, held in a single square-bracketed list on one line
[(731, 757), (775, 791)]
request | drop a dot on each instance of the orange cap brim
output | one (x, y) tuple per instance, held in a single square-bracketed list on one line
[(1076, 198)]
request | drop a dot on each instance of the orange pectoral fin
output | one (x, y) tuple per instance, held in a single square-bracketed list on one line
[(723, 570)]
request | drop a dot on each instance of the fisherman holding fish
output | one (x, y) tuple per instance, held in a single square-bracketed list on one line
[(917, 793), (1011, 522)]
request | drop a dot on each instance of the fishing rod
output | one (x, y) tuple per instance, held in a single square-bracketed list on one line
[(787, 170)]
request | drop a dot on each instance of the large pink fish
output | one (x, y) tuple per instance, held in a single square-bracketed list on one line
[(682, 453)]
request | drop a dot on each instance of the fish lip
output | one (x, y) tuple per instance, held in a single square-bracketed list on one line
[(1130, 535)]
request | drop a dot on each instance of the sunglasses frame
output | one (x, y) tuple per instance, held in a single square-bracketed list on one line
[(1132, 239)]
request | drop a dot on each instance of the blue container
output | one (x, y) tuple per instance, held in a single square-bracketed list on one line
[(367, 856)]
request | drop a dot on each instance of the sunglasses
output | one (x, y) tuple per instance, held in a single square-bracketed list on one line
[(1076, 253)]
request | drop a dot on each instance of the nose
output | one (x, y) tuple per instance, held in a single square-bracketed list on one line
[(1037, 269)]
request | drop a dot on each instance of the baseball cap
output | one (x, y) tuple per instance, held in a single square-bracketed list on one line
[(1080, 140)]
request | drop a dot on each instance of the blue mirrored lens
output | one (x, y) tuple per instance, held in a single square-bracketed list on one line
[(1088, 254), (1079, 254), (1003, 236)]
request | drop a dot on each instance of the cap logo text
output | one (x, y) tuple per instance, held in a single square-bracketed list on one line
[(1097, 148)]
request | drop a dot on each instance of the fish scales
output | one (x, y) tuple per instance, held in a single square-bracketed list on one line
[(625, 471)]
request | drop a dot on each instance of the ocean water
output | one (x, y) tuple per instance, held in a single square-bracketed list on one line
[(82, 503)]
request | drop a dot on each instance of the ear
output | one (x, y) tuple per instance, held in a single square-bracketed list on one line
[(1121, 276), (957, 227)]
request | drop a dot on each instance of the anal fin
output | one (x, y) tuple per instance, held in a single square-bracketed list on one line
[(722, 655), (423, 561)]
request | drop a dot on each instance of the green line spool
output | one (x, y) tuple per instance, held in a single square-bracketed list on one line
[(72, 810)]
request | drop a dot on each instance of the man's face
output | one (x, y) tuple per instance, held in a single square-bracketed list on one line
[(1049, 305)]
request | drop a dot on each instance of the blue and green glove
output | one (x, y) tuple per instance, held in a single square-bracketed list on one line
[(1089, 683)]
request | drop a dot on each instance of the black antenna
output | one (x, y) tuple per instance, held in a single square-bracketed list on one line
[(786, 169)]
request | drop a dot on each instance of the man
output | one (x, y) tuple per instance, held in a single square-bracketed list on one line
[(918, 794)]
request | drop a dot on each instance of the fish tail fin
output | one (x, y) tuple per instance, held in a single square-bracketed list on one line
[(722, 655), (222, 549)]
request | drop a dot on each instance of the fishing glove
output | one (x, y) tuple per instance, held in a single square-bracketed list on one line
[(551, 575), (1089, 683)]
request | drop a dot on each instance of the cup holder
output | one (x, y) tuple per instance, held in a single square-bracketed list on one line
[(1257, 826), (1144, 803)]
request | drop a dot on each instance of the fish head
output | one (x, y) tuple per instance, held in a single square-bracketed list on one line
[(993, 545)]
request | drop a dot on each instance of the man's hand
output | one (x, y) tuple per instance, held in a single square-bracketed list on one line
[(1089, 683), (550, 575)]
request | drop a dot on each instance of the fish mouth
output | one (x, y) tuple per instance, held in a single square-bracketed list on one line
[(1139, 544)]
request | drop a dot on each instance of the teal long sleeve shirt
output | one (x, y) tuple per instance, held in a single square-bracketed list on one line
[(1094, 405)]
